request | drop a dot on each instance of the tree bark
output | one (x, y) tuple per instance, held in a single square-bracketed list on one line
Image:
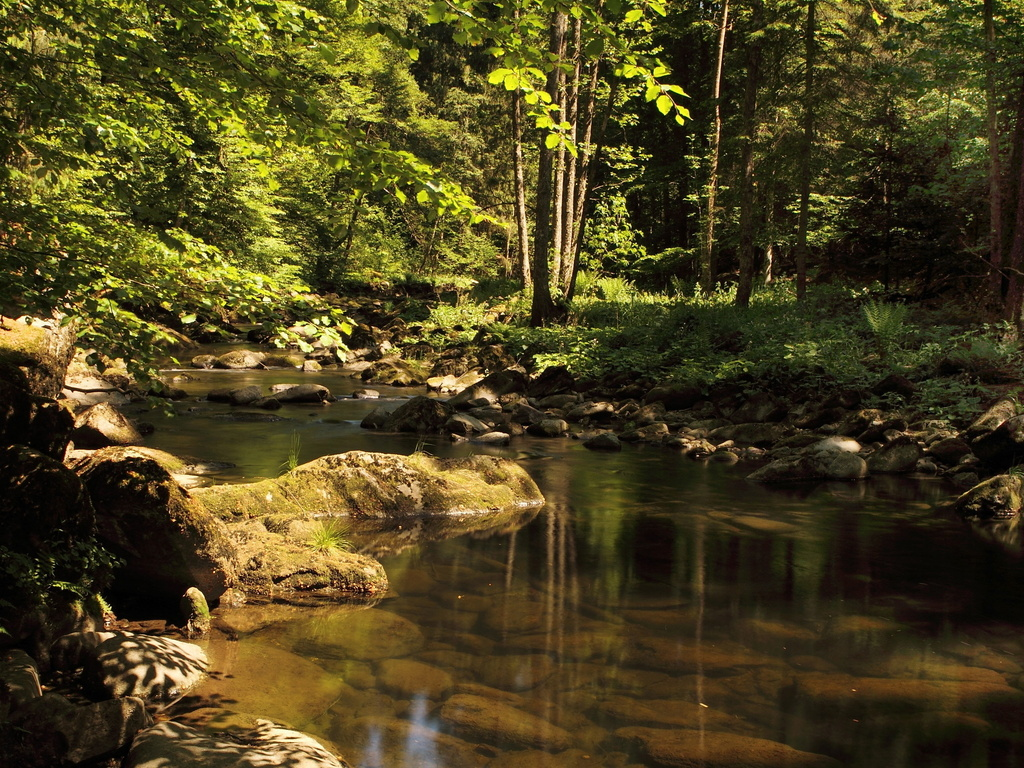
[(593, 142), (745, 287), (1013, 242), (708, 269), (806, 147), (572, 168), (997, 283), (524, 272), (543, 308)]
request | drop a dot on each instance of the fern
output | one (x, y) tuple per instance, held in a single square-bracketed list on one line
[(886, 322)]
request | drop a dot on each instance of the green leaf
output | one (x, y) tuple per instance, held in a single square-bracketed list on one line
[(327, 53), (552, 140), (351, 6), (188, 319), (498, 75), (664, 104), (634, 15), (594, 48)]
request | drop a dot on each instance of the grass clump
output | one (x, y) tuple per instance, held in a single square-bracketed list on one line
[(295, 446), (330, 535)]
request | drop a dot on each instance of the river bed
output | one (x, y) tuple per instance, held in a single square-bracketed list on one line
[(656, 611)]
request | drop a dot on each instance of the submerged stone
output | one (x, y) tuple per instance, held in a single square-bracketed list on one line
[(367, 635), (682, 748), (516, 672), (409, 679), (386, 742), (263, 678), (852, 696), (493, 722)]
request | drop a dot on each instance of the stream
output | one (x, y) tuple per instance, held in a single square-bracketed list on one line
[(658, 611)]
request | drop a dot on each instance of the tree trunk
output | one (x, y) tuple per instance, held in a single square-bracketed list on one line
[(567, 266), (1013, 241), (746, 245), (997, 283), (708, 268), (806, 147), (519, 183), (543, 308), (588, 166)]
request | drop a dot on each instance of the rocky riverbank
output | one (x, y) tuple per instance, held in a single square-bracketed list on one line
[(830, 436)]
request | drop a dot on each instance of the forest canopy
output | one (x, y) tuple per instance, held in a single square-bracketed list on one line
[(167, 164)]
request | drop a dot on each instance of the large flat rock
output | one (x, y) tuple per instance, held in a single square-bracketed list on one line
[(380, 485)]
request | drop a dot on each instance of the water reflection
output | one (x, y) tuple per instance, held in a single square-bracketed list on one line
[(656, 612)]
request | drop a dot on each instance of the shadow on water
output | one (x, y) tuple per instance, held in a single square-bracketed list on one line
[(657, 611)]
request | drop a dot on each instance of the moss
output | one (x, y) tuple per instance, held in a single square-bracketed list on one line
[(269, 563), (374, 485), (999, 498)]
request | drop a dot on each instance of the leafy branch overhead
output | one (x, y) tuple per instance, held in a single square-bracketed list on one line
[(610, 34)]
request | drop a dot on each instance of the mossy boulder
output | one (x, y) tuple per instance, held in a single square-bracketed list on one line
[(269, 563), (397, 372), (998, 498), (379, 485), (33, 362), (240, 359), (168, 541), (40, 351)]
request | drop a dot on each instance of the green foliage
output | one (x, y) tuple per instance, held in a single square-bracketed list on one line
[(56, 569), (886, 321), (330, 535), (141, 153), (586, 284), (611, 243)]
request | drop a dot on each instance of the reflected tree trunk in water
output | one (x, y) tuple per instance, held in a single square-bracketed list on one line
[(699, 591)]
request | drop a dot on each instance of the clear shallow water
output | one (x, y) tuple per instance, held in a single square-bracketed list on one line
[(656, 611)]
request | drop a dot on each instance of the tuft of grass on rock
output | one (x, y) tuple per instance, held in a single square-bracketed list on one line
[(330, 535)]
